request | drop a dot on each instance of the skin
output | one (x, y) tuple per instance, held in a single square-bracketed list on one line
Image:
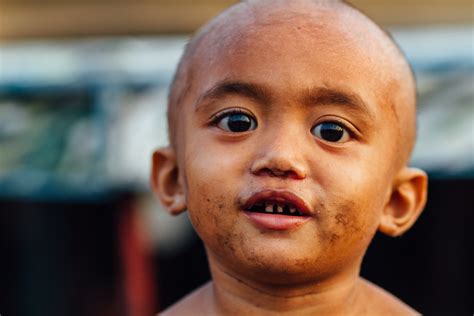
[(312, 63)]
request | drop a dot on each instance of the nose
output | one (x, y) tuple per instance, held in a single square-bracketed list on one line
[(281, 157)]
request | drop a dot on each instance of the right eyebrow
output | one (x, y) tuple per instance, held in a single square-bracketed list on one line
[(224, 88)]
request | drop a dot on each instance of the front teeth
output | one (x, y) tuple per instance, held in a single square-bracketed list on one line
[(275, 208)]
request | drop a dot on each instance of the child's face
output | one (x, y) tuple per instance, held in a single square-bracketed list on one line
[(296, 115)]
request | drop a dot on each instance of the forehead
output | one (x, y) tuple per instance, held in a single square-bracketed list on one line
[(291, 53)]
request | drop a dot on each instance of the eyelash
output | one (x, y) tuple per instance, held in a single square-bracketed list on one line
[(350, 130), (215, 119)]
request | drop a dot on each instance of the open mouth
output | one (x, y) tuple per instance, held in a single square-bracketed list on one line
[(277, 203), (275, 207), (277, 210)]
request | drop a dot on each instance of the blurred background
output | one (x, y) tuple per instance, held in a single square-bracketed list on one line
[(83, 88)]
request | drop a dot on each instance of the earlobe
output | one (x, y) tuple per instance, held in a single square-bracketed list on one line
[(406, 202), (165, 181)]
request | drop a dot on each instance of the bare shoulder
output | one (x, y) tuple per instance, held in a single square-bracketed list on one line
[(381, 302), (195, 303)]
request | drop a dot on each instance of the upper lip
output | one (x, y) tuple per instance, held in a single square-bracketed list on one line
[(277, 196)]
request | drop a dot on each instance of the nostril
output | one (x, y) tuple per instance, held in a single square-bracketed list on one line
[(292, 175), (277, 173), (265, 172), (278, 166)]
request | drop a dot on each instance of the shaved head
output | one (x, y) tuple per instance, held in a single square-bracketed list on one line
[(333, 24)]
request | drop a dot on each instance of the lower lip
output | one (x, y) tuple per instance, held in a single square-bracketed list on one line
[(276, 222)]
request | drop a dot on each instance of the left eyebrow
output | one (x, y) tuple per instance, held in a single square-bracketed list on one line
[(319, 95), (224, 88)]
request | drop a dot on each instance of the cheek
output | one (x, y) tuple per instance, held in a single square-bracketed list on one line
[(208, 214), (353, 200), (215, 160), (348, 226), (215, 220), (212, 182)]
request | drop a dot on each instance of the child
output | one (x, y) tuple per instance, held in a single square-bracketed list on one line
[(291, 124)]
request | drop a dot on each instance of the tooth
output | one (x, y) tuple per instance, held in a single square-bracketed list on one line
[(292, 209), (280, 209), (269, 208)]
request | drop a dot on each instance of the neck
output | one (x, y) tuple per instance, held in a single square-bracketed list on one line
[(235, 295)]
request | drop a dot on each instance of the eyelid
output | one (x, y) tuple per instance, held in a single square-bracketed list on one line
[(353, 131), (214, 120)]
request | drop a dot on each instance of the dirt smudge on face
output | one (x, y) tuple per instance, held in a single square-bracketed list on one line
[(349, 217), (339, 222), (334, 238), (342, 219), (226, 241)]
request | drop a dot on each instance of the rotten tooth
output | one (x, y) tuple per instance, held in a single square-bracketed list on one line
[(280, 209), (269, 208)]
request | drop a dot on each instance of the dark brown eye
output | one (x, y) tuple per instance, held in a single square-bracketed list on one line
[(331, 132), (237, 122)]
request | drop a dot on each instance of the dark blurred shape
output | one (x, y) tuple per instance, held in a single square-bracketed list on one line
[(59, 258), (80, 257)]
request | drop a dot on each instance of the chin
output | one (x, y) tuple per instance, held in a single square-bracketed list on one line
[(281, 263), (276, 267), (282, 275)]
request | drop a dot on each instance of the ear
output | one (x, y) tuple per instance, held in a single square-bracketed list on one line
[(406, 202), (165, 181)]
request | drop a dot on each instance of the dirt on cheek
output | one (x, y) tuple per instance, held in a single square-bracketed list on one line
[(201, 212), (226, 243), (341, 222), (342, 219), (214, 219)]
